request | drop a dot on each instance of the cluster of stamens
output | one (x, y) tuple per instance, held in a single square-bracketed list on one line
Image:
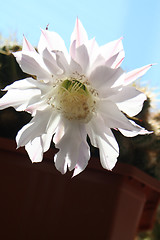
[(74, 98)]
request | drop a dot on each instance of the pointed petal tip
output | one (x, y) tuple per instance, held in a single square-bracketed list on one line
[(144, 131), (136, 73), (17, 142), (78, 22), (111, 169), (43, 31), (153, 64), (77, 171), (27, 45), (150, 65)]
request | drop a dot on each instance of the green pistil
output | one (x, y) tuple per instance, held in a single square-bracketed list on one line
[(74, 86)]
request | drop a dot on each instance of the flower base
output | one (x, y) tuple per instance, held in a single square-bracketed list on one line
[(37, 202)]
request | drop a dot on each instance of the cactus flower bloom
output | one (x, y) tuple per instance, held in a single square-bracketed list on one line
[(72, 95)]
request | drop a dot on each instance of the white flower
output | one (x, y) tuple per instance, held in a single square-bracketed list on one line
[(75, 94)]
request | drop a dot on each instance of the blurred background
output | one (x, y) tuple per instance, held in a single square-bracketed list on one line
[(138, 22)]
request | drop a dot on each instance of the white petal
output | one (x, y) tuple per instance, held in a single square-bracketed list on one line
[(103, 138), (59, 132), (116, 60), (79, 34), (70, 147), (103, 78), (82, 57), (140, 130), (73, 49), (93, 49), (62, 61), (32, 63), (99, 61), (41, 144), (35, 150), (24, 93), (74, 68), (108, 154), (35, 104), (18, 99), (18, 55), (113, 117), (137, 73), (51, 128), (129, 100), (30, 84), (60, 160), (50, 62), (53, 41), (82, 161), (92, 53), (27, 83), (35, 128), (95, 130), (27, 46), (112, 48)]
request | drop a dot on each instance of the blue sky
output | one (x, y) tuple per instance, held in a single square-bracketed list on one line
[(138, 21)]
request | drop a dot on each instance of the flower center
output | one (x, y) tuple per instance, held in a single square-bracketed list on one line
[(74, 100)]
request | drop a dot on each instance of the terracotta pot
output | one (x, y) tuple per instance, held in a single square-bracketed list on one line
[(37, 202)]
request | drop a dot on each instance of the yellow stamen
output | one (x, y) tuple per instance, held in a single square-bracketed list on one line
[(74, 100)]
